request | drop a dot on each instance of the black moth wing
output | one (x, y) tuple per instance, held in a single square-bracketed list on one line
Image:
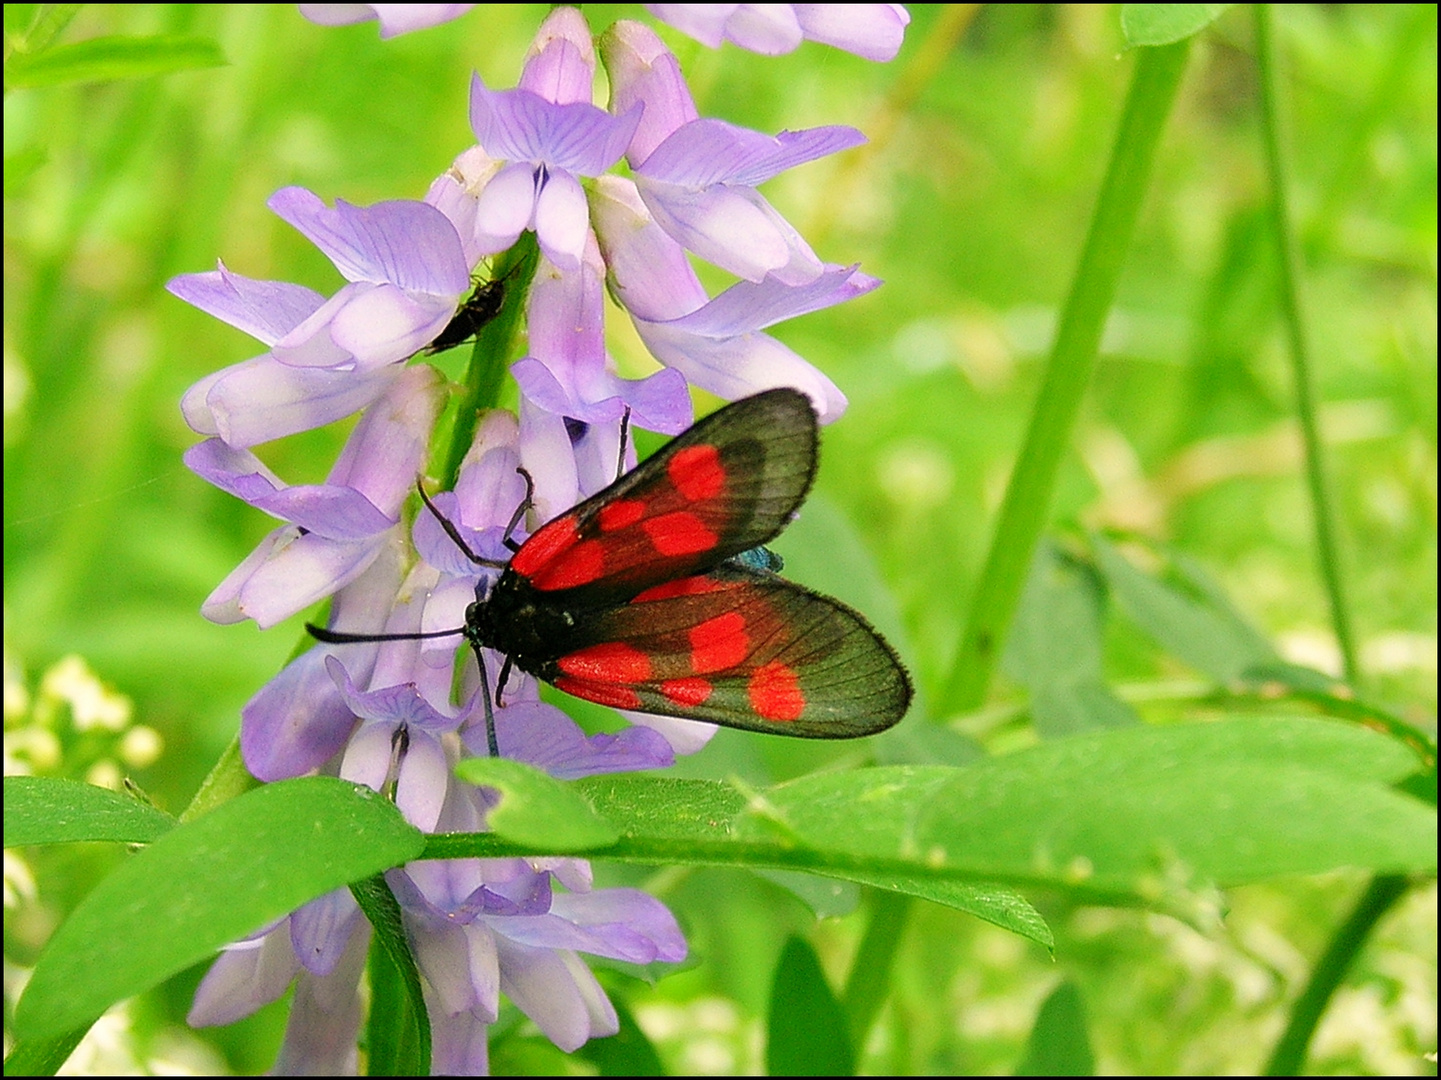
[(742, 648), (729, 483)]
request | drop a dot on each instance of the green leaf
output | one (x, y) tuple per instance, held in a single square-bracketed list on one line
[(1138, 812), (106, 58), (536, 808), (1055, 647), (45, 810), (1059, 1044), (398, 1025), (1187, 614), (43, 1057), (1162, 24), (995, 904), (626, 1053), (828, 897), (205, 884), (807, 1031)]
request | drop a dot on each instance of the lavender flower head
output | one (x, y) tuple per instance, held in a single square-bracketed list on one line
[(396, 714)]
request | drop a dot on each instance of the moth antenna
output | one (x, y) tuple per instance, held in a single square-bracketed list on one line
[(451, 531), (525, 504)]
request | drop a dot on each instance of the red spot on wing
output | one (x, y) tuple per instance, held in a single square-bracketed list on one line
[(580, 565), (689, 691), (697, 472), (610, 661), (719, 643), (680, 533), (545, 545), (775, 692), (617, 697), (686, 586), (620, 513)]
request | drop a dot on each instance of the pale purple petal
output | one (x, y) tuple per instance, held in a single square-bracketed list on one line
[(336, 513), (421, 783), (402, 242), (296, 722), (396, 705), (261, 399), (733, 227), (505, 207), (546, 453), (874, 31), (235, 472), (459, 1045), (643, 71), (733, 368), (558, 992), (709, 151), (578, 138), (562, 220), (244, 977), (325, 1014), (541, 735), (684, 736), (385, 323), (368, 755), (748, 306), (639, 912), (659, 402), (561, 63), (321, 930), (395, 19), (386, 451), (704, 22), (303, 572), (768, 29), (650, 274), (266, 310)]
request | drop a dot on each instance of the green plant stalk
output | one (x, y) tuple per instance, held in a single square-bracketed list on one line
[(1380, 897), (1288, 265), (870, 977), (1068, 371), (490, 357)]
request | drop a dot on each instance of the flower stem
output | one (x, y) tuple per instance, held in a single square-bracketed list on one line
[(1380, 897), (1287, 282), (490, 357), (1068, 371)]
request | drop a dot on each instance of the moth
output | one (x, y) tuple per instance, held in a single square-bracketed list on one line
[(650, 596)]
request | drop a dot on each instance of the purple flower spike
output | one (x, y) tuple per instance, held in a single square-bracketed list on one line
[(336, 529), (395, 19), (874, 31)]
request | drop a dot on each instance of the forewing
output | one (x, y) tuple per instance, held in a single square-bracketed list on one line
[(727, 484), (741, 648)]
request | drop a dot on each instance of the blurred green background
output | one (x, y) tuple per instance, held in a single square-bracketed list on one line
[(990, 134)]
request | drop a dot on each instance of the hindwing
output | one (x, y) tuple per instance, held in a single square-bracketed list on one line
[(742, 648)]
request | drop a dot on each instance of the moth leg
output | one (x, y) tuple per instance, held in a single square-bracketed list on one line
[(500, 683), (525, 504)]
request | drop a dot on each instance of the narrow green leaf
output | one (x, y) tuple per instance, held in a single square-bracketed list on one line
[(538, 809), (106, 58), (43, 1057), (46, 810), (205, 884), (995, 904), (398, 1024), (828, 897), (1059, 1044), (1186, 614), (626, 1053), (807, 1032), (1162, 24), (1055, 647)]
